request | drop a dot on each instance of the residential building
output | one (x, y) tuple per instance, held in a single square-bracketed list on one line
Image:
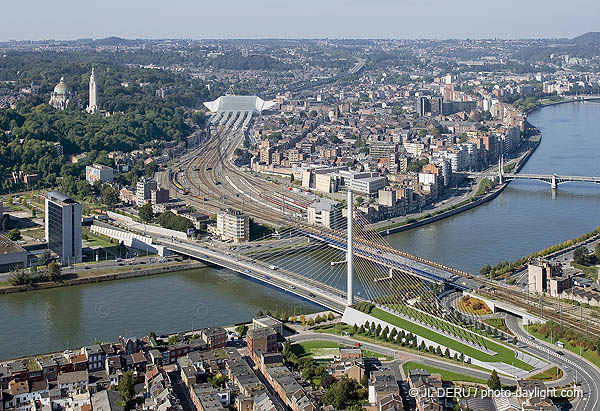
[(382, 384), (531, 395), (215, 337), (98, 172), (267, 321), (143, 191), (233, 226), (159, 196), (262, 340), (422, 383), (63, 227)]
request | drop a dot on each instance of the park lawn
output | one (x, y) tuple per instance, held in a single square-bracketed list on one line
[(548, 375), (485, 186), (446, 375), (504, 354), (437, 322), (373, 354), (312, 348), (97, 240), (327, 348)]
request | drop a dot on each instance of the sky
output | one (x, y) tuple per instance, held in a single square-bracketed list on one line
[(200, 19)]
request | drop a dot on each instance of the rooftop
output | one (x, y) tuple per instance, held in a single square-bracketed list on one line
[(60, 198), (239, 103), (8, 246)]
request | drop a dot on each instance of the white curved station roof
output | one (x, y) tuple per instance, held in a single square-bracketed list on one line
[(239, 103)]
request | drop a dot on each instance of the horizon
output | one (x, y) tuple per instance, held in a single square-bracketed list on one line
[(336, 19), (297, 38)]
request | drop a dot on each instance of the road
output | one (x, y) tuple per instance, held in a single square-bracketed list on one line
[(575, 366)]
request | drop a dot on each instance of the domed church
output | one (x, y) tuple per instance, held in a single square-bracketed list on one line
[(62, 96)]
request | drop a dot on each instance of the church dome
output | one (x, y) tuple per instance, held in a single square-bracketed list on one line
[(61, 87)]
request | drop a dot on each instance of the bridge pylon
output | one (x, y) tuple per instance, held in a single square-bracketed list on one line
[(350, 255), (554, 184), (501, 170)]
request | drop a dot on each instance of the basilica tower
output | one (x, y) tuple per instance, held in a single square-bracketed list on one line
[(93, 103)]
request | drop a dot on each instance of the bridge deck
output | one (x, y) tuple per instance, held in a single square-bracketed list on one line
[(315, 291)]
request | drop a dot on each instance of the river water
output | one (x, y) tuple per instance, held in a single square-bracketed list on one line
[(527, 216)]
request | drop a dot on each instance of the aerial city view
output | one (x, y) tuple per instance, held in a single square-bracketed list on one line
[(300, 207)]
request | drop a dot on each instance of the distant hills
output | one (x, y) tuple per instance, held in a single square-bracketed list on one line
[(592, 37)]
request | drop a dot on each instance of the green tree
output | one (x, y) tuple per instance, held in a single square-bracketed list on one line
[(53, 271), (109, 196), (330, 316), (44, 258), (127, 389), (218, 380), (145, 213), (341, 394), (14, 234), (581, 256), (20, 277), (494, 381)]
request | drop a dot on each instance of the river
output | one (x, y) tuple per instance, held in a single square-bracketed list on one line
[(69, 317), (527, 216)]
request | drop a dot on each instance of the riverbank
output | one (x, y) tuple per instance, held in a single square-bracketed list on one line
[(136, 272), (468, 204), (554, 103)]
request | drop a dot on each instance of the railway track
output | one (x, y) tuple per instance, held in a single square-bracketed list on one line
[(204, 174)]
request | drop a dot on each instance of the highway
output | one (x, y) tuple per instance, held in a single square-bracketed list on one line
[(573, 365)]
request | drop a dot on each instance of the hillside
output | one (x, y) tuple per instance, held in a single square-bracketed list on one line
[(592, 37)]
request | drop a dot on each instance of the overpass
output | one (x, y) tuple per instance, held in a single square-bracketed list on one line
[(293, 283)]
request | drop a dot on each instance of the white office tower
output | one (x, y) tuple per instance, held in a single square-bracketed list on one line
[(63, 227), (93, 102)]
